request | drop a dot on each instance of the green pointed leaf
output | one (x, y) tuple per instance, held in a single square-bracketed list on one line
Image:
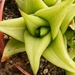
[(68, 72), (33, 22), (58, 55), (14, 28), (30, 6), (55, 15), (44, 31), (34, 48), (70, 15), (52, 57), (72, 55), (12, 47)]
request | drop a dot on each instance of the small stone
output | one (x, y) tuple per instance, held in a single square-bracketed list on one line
[(6, 8), (6, 37), (45, 71)]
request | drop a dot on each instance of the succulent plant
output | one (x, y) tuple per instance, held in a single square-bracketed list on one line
[(45, 28)]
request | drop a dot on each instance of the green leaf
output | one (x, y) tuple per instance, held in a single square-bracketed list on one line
[(55, 15), (70, 15), (44, 31), (30, 6), (34, 48), (71, 42), (14, 28), (33, 22), (12, 47), (72, 55), (57, 54), (69, 34)]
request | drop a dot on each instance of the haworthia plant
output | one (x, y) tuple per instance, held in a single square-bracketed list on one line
[(43, 30), (33, 23)]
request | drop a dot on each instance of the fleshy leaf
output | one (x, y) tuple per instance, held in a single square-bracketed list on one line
[(68, 72), (33, 22), (12, 47), (58, 55), (70, 15), (69, 34), (30, 6), (14, 28), (72, 55), (55, 15), (34, 48), (44, 31), (71, 42)]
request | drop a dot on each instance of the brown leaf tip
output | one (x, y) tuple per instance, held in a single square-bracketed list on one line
[(4, 58)]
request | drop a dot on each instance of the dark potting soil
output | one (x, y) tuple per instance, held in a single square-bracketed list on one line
[(21, 59)]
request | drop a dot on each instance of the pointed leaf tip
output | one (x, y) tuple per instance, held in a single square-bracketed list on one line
[(4, 58)]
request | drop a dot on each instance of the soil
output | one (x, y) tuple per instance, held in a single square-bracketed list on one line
[(8, 67)]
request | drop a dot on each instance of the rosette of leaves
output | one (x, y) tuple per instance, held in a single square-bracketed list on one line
[(41, 31)]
